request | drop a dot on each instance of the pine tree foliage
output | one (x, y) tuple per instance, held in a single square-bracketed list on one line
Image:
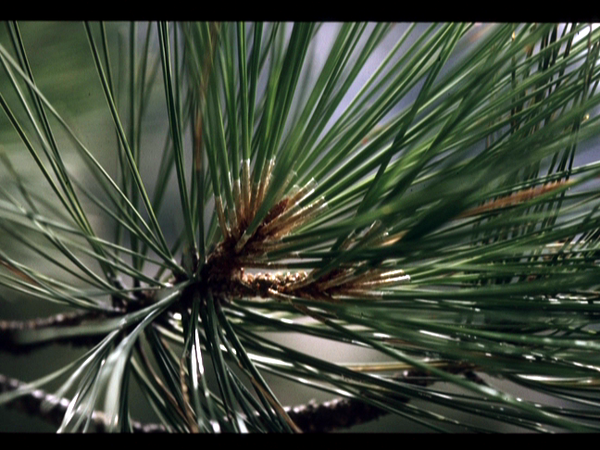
[(429, 208)]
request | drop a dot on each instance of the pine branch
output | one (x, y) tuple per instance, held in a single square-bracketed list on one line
[(391, 196), (32, 402), (9, 330), (313, 417)]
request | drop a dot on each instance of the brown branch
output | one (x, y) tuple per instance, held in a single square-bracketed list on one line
[(9, 330), (339, 413), (32, 402), (311, 417)]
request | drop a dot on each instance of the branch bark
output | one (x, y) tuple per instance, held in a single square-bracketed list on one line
[(9, 329), (312, 418), (336, 414)]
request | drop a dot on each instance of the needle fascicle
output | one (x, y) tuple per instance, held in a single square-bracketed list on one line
[(361, 293), (273, 227), (354, 278), (279, 193), (388, 281), (350, 280), (221, 217), (514, 199), (231, 209), (294, 204), (283, 227), (374, 275), (237, 196), (265, 181), (354, 237), (258, 190), (241, 249), (338, 278), (255, 202), (246, 191)]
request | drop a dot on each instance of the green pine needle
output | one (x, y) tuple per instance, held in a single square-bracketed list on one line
[(203, 195)]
